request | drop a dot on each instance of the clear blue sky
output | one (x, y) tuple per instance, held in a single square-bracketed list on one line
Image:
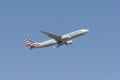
[(95, 56)]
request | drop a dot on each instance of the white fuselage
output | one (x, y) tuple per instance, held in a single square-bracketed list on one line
[(64, 38)]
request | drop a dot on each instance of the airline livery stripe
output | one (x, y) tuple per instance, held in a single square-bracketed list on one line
[(28, 42)]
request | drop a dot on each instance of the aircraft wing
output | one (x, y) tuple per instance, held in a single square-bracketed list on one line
[(54, 36)]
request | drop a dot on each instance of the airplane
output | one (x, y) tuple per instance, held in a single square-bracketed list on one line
[(56, 40)]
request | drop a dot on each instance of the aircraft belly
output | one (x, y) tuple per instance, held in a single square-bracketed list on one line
[(74, 36), (48, 43)]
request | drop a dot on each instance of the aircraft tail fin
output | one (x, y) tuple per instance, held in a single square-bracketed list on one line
[(31, 44), (28, 41)]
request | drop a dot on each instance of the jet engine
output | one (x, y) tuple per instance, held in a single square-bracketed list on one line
[(69, 42)]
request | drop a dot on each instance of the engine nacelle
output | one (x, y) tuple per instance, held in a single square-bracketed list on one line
[(69, 42)]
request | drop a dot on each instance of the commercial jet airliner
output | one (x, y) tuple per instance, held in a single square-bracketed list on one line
[(56, 40)]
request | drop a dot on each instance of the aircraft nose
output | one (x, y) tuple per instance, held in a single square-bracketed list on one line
[(87, 30)]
